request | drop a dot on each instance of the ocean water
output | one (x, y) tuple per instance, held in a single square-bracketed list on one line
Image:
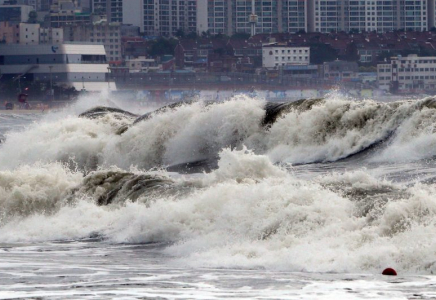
[(235, 199)]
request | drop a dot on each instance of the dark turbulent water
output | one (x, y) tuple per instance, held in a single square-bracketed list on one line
[(240, 198)]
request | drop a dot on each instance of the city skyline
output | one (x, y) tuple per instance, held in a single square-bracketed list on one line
[(169, 17)]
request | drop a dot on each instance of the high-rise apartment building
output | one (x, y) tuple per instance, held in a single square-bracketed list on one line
[(231, 16), (267, 12), (219, 16), (112, 9), (294, 15), (367, 15), (166, 17)]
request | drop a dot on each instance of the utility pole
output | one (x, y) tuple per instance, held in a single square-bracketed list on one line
[(51, 83), (19, 84), (253, 18), (108, 78)]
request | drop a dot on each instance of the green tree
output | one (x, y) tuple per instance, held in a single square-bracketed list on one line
[(179, 33), (352, 54), (192, 35), (33, 17), (320, 53), (241, 36), (162, 46)]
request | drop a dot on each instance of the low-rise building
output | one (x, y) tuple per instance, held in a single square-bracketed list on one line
[(340, 70), (408, 74), (51, 35), (9, 33), (275, 56), (29, 34), (141, 64)]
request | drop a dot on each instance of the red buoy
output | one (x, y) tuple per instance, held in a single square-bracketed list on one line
[(389, 272)]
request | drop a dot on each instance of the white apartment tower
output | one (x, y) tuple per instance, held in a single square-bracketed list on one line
[(267, 12), (231, 16), (294, 16), (367, 15), (166, 17)]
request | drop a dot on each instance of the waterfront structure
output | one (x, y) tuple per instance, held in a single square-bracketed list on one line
[(408, 74), (275, 56), (78, 65)]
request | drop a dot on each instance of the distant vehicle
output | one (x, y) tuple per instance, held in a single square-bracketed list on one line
[(9, 106)]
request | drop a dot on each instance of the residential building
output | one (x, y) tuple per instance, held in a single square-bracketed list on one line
[(104, 33), (133, 13), (113, 9), (267, 12), (190, 53), (166, 18), (129, 30), (408, 74), (34, 3), (220, 17), (340, 70), (275, 56), (368, 15), (99, 7), (202, 16), (141, 64), (229, 17), (29, 34), (67, 16), (51, 35), (9, 33), (293, 16), (132, 47), (15, 14), (45, 4)]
